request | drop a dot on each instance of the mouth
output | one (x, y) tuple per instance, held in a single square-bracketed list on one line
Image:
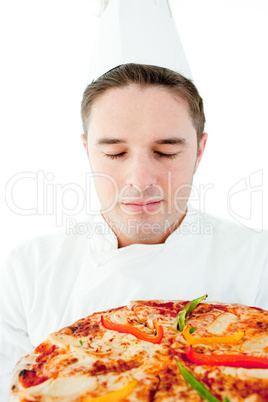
[(143, 206)]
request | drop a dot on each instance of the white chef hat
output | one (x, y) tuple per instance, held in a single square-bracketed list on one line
[(136, 31)]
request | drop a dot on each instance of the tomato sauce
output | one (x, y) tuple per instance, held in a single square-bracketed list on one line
[(28, 378)]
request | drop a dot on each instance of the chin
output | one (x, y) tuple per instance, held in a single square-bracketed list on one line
[(143, 231)]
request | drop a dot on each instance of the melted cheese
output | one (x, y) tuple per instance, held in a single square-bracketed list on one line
[(245, 374), (62, 386), (221, 323), (62, 340), (125, 317), (253, 398), (258, 343)]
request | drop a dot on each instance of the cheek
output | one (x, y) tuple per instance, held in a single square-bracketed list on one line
[(180, 184), (107, 182), (99, 163), (107, 190), (182, 174)]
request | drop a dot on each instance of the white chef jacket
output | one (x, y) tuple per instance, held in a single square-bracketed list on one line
[(52, 281)]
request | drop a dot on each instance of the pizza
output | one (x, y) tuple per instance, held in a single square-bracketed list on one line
[(151, 350)]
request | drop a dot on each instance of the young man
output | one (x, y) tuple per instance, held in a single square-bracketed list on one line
[(144, 135), (143, 129)]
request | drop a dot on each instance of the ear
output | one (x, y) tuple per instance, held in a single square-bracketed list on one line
[(83, 138), (202, 145)]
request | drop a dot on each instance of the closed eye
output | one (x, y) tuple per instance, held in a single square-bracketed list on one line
[(114, 156), (168, 156), (159, 154)]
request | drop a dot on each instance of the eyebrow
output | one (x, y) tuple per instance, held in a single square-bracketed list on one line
[(110, 141), (173, 140)]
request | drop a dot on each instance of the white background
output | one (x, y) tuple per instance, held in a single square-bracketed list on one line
[(46, 51)]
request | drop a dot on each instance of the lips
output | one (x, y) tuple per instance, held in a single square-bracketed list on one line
[(149, 206)]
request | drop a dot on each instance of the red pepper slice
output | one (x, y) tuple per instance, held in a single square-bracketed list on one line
[(129, 329), (230, 360)]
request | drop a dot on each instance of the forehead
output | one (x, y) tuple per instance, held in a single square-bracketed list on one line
[(134, 109)]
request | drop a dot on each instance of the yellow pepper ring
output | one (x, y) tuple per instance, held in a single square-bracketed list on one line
[(193, 340), (117, 395)]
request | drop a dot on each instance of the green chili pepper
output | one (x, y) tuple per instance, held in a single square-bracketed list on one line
[(195, 384), (187, 309)]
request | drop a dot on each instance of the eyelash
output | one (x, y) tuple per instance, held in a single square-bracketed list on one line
[(160, 154), (116, 156), (168, 156)]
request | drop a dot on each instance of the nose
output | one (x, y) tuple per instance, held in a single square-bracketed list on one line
[(141, 173)]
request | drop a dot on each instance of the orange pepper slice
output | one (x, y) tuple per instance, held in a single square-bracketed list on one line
[(115, 396), (193, 340)]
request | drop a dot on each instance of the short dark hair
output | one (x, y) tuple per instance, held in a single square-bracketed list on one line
[(146, 75)]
